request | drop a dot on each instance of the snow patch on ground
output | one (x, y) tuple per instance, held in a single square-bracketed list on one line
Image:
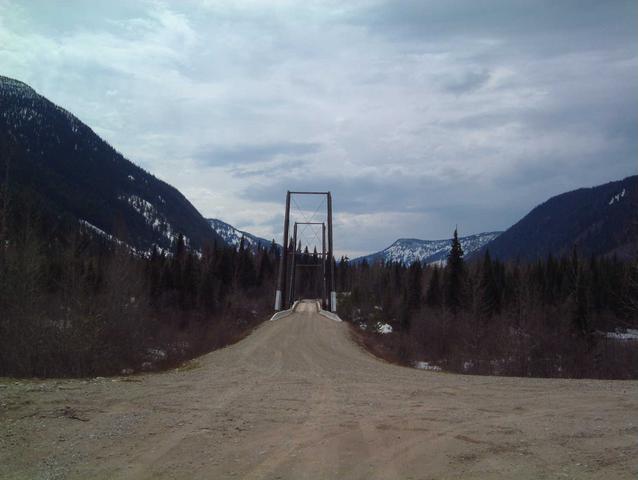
[(378, 327), (156, 353), (629, 334), (427, 366), (384, 328)]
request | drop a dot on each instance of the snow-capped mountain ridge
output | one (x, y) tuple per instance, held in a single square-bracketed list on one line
[(409, 250), (232, 236)]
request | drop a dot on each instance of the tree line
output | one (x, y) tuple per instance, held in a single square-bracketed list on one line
[(73, 303), (549, 318)]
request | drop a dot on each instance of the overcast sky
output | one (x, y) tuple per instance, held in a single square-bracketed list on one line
[(418, 116)]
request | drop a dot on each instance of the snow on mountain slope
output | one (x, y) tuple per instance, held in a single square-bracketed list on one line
[(599, 220), (74, 175), (409, 250), (232, 236), (617, 197)]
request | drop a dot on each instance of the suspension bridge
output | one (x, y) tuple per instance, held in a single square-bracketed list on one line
[(320, 225)]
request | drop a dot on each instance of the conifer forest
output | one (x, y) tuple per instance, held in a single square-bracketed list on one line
[(555, 317)]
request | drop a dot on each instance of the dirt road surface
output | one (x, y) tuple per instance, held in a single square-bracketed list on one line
[(298, 399)]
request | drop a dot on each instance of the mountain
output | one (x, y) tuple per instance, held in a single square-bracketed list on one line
[(232, 236), (409, 250), (54, 158), (601, 220)]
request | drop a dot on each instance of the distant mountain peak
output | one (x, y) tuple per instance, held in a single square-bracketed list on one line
[(409, 250), (11, 86)]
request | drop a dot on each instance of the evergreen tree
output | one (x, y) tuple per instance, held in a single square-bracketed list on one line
[(189, 281), (596, 287), (455, 271), (342, 275), (177, 262), (207, 292), (630, 302), (179, 247), (224, 272), (245, 274), (273, 250), (414, 286), (404, 312), (155, 267), (581, 303), (265, 267), (433, 295), (490, 287)]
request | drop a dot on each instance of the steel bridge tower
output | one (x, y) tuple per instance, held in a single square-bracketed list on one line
[(287, 263)]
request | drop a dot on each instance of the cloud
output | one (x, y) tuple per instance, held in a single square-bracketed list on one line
[(465, 81), (265, 169), (253, 153), (417, 115), (519, 27)]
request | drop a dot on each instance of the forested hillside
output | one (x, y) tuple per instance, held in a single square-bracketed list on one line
[(49, 155), (601, 220), (73, 303), (105, 269)]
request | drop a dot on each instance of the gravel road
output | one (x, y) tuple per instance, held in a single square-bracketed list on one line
[(298, 399)]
